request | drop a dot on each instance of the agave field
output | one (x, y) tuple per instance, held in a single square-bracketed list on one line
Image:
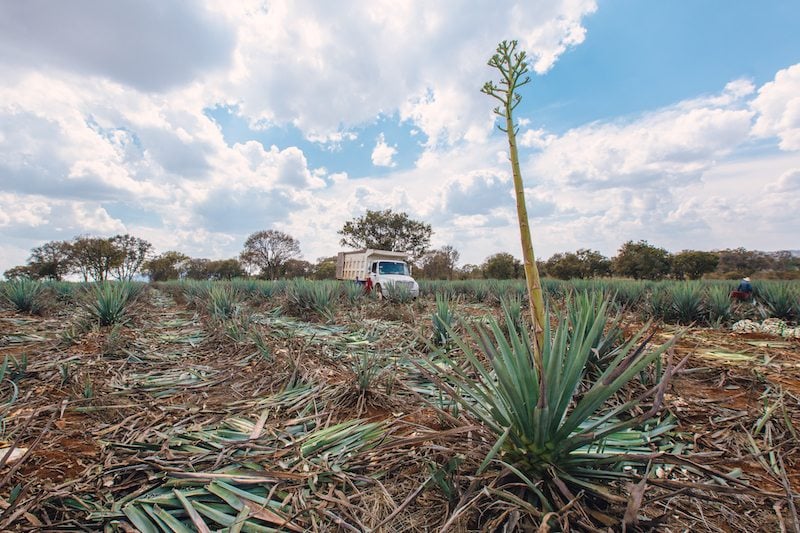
[(262, 406)]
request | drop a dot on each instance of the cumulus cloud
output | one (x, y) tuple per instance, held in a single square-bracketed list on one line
[(383, 154), (147, 44), (477, 193), (789, 180), (329, 66), (778, 108), (669, 146)]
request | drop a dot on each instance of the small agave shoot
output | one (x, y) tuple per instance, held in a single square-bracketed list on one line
[(556, 429), (24, 295)]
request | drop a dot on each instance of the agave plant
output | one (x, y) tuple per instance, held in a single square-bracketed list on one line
[(687, 302), (397, 292), (781, 299), (442, 321), (314, 296), (511, 305), (555, 432), (24, 294), (718, 305), (352, 292), (109, 301), (223, 301)]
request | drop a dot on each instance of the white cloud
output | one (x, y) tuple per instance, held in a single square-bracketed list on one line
[(665, 147), (383, 154), (778, 107), (147, 44), (789, 180)]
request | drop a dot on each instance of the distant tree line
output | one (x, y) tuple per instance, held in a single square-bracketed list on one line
[(273, 254)]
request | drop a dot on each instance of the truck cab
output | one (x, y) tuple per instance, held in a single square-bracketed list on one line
[(383, 273)]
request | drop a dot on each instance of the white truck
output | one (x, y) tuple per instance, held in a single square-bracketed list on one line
[(379, 270)]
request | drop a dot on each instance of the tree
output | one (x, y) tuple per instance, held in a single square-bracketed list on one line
[(740, 262), (693, 264), (296, 268), (19, 271), (325, 268), (95, 257), (169, 265), (268, 250), (51, 260), (440, 264), (197, 268), (513, 68), (133, 253), (225, 269), (564, 266), (387, 230), (502, 266), (593, 263), (640, 260), (469, 271)]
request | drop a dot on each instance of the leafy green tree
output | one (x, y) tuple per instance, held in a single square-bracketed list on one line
[(52, 260), (95, 257), (169, 265), (693, 264), (502, 266), (641, 260), (564, 266), (325, 268), (226, 269), (740, 262), (440, 264), (19, 271), (593, 263), (387, 230), (268, 250), (469, 271), (295, 268), (133, 253)]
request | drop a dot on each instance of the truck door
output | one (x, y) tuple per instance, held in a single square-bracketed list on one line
[(373, 272)]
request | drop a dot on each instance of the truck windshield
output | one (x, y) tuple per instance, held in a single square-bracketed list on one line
[(392, 267)]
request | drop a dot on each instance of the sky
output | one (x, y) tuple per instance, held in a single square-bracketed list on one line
[(193, 124)]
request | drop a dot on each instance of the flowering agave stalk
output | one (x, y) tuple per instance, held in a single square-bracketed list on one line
[(575, 438)]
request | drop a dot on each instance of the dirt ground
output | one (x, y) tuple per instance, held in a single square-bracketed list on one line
[(91, 416)]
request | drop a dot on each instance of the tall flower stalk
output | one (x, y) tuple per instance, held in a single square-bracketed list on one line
[(513, 69)]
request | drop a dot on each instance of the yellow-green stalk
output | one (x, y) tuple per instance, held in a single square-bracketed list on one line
[(513, 68)]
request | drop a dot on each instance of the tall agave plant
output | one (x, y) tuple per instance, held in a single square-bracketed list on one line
[(573, 437)]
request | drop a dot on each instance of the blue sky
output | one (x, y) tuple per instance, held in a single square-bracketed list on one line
[(194, 124)]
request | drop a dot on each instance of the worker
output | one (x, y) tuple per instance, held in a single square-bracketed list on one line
[(745, 286)]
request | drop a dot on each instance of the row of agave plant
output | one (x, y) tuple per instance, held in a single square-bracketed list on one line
[(106, 303), (682, 302)]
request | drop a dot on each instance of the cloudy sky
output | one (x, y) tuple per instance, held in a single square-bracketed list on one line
[(193, 124)]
